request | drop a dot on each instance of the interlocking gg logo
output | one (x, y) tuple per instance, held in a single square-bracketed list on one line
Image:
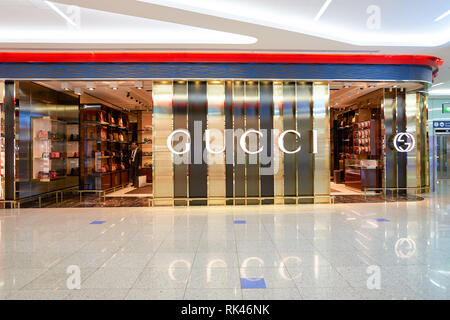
[(404, 142)]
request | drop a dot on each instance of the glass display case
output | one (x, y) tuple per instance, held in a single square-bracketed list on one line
[(362, 174), (46, 122)]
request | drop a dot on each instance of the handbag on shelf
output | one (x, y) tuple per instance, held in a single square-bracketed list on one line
[(43, 175), (103, 134), (42, 134), (75, 171)]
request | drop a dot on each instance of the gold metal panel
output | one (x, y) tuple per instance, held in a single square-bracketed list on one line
[(162, 157), (251, 111), (412, 123), (277, 154), (2, 91), (216, 127), (424, 161), (390, 129), (321, 123), (239, 128)]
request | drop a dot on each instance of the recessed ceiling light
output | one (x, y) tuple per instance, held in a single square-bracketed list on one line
[(347, 84), (90, 86), (139, 85), (65, 86), (113, 86), (77, 91)]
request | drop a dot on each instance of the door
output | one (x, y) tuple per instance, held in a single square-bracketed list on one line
[(442, 159)]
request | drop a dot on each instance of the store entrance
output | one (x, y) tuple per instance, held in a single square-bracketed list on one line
[(357, 135), (442, 156), (355, 131)]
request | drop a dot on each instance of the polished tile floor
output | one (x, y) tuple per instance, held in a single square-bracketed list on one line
[(342, 251)]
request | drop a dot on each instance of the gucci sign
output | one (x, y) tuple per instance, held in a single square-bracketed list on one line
[(404, 142)]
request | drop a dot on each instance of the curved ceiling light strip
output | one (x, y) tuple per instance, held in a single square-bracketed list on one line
[(355, 35), (60, 23)]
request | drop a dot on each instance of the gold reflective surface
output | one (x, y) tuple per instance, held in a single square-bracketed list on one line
[(278, 155), (321, 123), (162, 157), (412, 126), (216, 127)]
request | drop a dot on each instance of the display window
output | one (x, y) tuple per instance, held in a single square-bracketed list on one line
[(48, 144)]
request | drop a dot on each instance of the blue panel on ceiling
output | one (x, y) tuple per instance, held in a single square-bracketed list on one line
[(214, 70)]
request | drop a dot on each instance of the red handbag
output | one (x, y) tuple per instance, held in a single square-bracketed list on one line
[(42, 134)]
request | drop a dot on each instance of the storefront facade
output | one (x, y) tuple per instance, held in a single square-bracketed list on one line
[(250, 128)]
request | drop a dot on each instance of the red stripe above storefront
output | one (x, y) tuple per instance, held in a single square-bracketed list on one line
[(186, 57)]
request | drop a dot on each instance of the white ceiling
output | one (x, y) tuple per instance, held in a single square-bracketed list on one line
[(345, 26)]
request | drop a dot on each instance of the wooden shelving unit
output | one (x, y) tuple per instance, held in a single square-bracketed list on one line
[(104, 155), (357, 147), (145, 140)]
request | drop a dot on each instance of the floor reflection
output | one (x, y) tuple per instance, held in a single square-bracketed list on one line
[(388, 250)]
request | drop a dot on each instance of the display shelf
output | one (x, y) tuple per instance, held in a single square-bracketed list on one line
[(104, 141), (356, 135), (56, 149)]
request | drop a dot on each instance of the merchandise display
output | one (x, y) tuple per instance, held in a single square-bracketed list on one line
[(357, 139), (105, 144), (145, 142), (50, 145)]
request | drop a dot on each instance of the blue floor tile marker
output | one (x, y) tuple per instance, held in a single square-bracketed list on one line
[(253, 283), (240, 222), (97, 222), (382, 220)]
